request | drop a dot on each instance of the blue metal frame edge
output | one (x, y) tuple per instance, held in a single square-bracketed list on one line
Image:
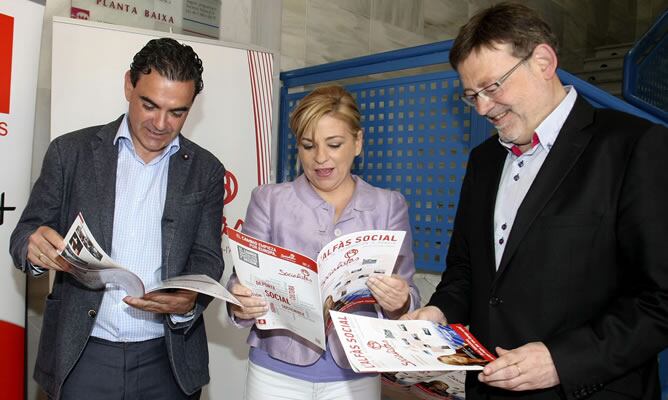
[(395, 60), (602, 98), (282, 149), (400, 81), (631, 58)]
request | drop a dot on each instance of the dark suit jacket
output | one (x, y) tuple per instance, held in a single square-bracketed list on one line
[(585, 269), (79, 174)]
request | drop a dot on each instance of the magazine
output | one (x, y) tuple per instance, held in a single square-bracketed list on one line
[(301, 291), (425, 385), (381, 345), (95, 269)]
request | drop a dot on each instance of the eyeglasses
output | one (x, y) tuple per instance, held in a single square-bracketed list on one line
[(490, 92)]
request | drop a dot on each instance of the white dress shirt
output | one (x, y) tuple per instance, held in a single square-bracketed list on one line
[(520, 171)]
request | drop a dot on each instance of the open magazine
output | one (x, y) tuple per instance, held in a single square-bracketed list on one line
[(301, 291), (425, 385), (381, 345), (95, 269)]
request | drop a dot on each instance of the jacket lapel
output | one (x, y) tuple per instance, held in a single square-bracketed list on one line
[(491, 176), (568, 147), (105, 158), (179, 170)]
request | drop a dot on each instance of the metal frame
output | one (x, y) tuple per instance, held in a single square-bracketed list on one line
[(647, 62)]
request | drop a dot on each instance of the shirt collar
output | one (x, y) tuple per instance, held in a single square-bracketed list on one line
[(546, 133), (548, 130), (361, 200), (125, 138)]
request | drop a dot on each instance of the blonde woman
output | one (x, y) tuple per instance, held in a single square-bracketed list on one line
[(324, 202)]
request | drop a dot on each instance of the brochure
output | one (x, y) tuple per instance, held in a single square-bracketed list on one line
[(301, 291), (381, 345), (95, 269)]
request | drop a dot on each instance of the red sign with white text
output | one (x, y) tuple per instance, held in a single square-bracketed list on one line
[(6, 42)]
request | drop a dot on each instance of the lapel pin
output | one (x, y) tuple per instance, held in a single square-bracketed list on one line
[(185, 157)]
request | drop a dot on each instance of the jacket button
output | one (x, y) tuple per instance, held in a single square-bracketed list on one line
[(494, 301), (92, 313)]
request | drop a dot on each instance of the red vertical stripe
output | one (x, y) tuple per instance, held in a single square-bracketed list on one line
[(261, 71), (263, 104), (257, 144), (267, 67), (6, 43), (11, 361), (260, 127), (268, 95), (260, 117)]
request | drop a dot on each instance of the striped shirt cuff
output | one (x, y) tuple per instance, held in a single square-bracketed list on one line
[(35, 270)]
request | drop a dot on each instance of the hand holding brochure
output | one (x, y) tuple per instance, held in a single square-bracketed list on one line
[(381, 345), (301, 291), (95, 269)]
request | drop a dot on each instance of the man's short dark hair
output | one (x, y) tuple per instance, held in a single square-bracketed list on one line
[(171, 59), (510, 23)]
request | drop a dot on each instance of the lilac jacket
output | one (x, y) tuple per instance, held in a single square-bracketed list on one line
[(294, 216)]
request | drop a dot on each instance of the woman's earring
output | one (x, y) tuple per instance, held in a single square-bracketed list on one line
[(298, 166)]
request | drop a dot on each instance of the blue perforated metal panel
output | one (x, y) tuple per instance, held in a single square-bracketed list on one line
[(417, 136), (646, 70)]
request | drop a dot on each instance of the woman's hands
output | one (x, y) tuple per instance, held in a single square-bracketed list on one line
[(252, 306), (392, 293)]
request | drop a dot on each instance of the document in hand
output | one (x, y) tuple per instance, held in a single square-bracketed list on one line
[(95, 269), (425, 385), (381, 345), (301, 291)]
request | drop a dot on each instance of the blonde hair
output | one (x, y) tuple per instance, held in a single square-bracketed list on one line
[(332, 100)]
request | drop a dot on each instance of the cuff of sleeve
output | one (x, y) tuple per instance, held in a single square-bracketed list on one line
[(35, 270), (181, 318), (238, 322)]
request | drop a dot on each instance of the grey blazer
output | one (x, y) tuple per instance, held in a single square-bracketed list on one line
[(79, 175)]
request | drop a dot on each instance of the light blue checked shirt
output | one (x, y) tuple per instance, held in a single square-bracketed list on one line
[(141, 189)]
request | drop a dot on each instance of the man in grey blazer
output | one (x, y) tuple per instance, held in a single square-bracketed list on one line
[(153, 199)]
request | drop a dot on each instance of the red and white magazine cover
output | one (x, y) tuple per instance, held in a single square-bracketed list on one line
[(301, 291), (379, 345)]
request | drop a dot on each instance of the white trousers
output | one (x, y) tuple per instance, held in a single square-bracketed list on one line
[(265, 384)]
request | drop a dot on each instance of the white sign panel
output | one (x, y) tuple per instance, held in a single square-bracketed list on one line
[(200, 17)]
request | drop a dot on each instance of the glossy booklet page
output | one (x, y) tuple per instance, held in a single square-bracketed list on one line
[(95, 269), (300, 291)]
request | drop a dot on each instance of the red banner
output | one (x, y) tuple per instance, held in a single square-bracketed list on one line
[(20, 38), (11, 367), (6, 42)]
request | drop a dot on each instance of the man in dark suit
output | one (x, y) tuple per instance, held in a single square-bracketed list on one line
[(153, 200), (558, 256)]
